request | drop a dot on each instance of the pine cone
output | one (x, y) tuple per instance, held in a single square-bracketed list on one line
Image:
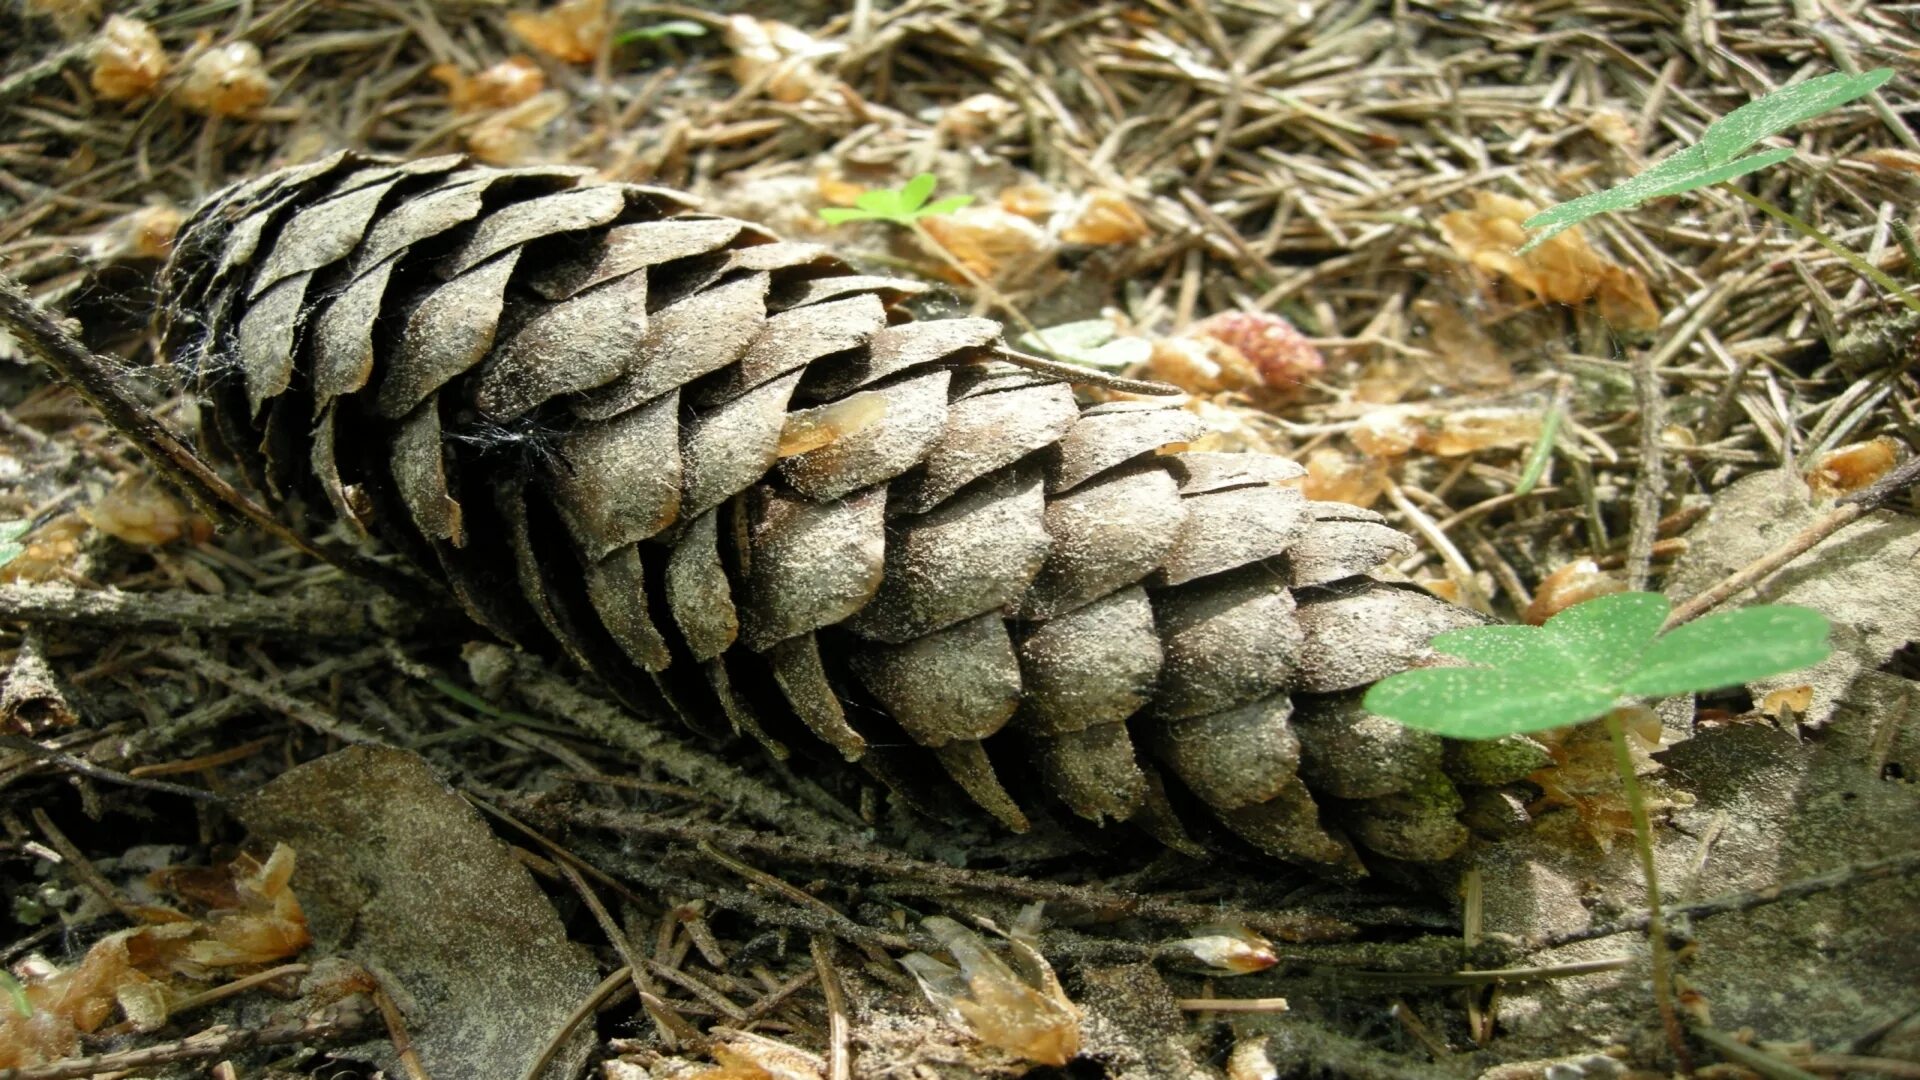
[(729, 476)]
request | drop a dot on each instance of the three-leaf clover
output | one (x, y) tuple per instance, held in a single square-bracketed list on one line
[(902, 206), (1589, 658), (1717, 156)]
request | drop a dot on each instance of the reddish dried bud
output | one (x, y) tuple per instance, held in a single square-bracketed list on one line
[(1280, 352)]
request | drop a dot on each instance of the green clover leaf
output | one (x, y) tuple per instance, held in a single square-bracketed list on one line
[(1588, 659)]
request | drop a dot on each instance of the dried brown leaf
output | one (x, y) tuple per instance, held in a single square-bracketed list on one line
[(572, 32), (1564, 270), (505, 84), (128, 60)]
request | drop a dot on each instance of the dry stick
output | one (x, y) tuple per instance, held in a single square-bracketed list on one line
[(1846, 512), (397, 1033), (1652, 485), (1856, 874), (272, 697), (97, 772), (334, 1023), (1656, 920), (610, 988), (98, 382), (1094, 899), (840, 1065), (324, 618), (1753, 1058)]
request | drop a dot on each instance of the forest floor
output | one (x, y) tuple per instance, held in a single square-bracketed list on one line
[(506, 869)]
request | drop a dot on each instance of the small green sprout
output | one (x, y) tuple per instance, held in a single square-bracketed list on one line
[(1717, 156), (17, 993), (10, 534), (903, 206), (1588, 659), (661, 31)]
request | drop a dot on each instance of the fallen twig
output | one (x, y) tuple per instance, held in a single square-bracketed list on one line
[(340, 1020), (320, 617), (1858, 873), (1844, 513)]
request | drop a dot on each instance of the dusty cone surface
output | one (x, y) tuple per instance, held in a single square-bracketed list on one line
[(727, 475)]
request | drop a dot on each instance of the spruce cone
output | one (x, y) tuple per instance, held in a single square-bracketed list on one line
[(727, 475)]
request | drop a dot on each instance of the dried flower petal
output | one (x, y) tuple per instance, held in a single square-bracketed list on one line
[(1229, 950), (572, 32), (990, 242), (781, 55), (146, 233), (144, 515), (1035, 202), (1201, 366), (1396, 430), (1847, 469), (1563, 270), (1787, 703), (507, 137), (1275, 347), (1335, 477), (976, 119), (1104, 218), (985, 997), (505, 84), (128, 60), (227, 81), (1577, 582)]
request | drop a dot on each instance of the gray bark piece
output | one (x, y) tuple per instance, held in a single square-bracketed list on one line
[(983, 434), (399, 874), (1094, 772), (1232, 528), (685, 340), (626, 248), (1203, 471), (1106, 536), (960, 684), (1093, 666), (617, 586), (619, 481), (974, 555), (1112, 434), (1228, 641), (725, 451), (1331, 549), (343, 335), (915, 414), (791, 340), (267, 334), (1365, 631), (535, 219), (810, 564), (420, 476), (1349, 753), (575, 345), (1234, 758), (899, 348), (802, 677), (698, 592), (447, 333), (320, 235)]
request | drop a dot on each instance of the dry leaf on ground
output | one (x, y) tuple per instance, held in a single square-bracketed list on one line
[(505, 84), (572, 32), (1564, 270), (128, 60)]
